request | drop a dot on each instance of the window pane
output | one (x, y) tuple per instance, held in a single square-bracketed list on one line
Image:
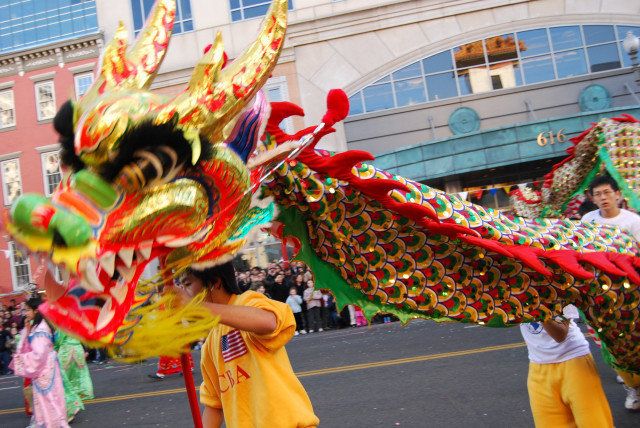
[(598, 33), (236, 15), (505, 75), (603, 57), (533, 42), (538, 69), (412, 70), (501, 48), (355, 104), (185, 10), (438, 62), (565, 37), (570, 63), (474, 80), (138, 15), (623, 29), (469, 54), (235, 4), (256, 11), (409, 92), (441, 86), (378, 97)]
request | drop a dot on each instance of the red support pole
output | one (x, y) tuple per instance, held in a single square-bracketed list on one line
[(191, 390)]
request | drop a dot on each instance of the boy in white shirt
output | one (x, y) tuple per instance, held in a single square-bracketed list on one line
[(563, 382), (606, 195)]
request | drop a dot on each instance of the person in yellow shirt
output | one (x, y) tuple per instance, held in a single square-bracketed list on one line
[(248, 380)]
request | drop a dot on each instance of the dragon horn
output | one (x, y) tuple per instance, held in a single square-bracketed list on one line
[(215, 95), (137, 68)]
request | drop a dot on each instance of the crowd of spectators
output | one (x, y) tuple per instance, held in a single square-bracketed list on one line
[(293, 283), (11, 323)]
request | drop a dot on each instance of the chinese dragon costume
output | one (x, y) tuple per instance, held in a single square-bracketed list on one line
[(186, 180)]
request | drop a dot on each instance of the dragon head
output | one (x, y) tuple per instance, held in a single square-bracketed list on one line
[(147, 176)]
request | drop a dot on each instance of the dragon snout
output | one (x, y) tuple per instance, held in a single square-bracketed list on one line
[(36, 215)]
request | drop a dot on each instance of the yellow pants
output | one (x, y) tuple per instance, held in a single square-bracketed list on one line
[(568, 394), (630, 379)]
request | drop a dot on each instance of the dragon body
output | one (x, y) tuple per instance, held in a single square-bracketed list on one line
[(185, 180)]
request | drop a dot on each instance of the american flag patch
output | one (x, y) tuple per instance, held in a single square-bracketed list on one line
[(233, 346)]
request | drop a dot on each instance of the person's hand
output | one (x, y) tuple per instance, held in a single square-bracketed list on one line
[(182, 298)]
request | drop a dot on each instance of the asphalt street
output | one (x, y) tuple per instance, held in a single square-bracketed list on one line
[(422, 375)]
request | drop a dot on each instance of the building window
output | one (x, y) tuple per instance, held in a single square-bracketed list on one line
[(276, 89), (45, 100), (504, 61), (20, 269), (142, 8), (7, 109), (51, 171), (11, 181), (82, 82), (28, 23), (247, 9)]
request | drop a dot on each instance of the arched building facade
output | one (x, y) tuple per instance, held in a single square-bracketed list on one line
[(468, 94)]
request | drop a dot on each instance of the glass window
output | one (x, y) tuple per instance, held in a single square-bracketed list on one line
[(441, 86), (469, 54), (622, 33), (501, 48), (20, 269), (533, 42), (565, 37), (276, 90), (378, 97), (45, 100), (570, 63), (505, 75), (29, 23), (538, 69), (603, 57), (355, 104), (82, 82), (412, 70), (497, 62), (142, 8), (474, 80), (410, 91), (624, 29), (247, 9), (7, 109), (11, 180), (598, 34), (51, 171), (438, 62)]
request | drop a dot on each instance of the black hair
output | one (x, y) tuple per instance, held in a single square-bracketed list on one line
[(149, 137), (63, 124), (225, 272), (33, 303), (603, 180)]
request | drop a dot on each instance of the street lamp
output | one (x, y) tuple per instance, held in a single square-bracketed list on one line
[(631, 45)]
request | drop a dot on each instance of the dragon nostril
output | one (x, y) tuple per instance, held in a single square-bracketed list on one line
[(58, 239)]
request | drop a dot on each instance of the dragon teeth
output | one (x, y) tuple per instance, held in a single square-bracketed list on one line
[(145, 249), (119, 291), (108, 263), (90, 280), (126, 255), (126, 272), (106, 315)]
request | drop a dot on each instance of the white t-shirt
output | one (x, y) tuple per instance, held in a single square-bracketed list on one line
[(543, 349), (626, 220)]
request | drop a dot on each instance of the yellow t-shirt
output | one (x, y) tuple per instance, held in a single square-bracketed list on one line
[(250, 377)]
